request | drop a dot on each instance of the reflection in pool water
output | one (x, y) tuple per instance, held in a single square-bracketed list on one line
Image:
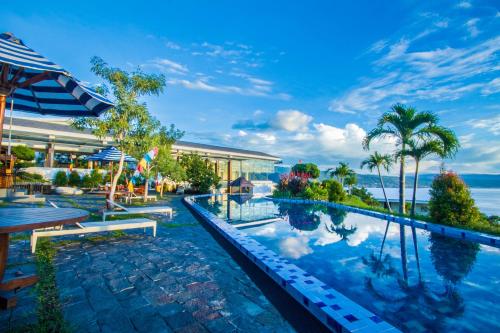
[(417, 281)]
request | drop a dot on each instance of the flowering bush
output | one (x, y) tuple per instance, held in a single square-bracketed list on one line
[(293, 182)]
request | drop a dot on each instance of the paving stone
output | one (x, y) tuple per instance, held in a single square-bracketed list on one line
[(180, 320), (180, 281)]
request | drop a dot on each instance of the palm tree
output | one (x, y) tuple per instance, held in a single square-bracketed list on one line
[(423, 148), (377, 160), (341, 172), (406, 124)]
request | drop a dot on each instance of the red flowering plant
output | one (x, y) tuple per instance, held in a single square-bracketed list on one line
[(295, 182)]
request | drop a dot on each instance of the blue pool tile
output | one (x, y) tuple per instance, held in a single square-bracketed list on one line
[(336, 307), (376, 319), (351, 318), (320, 304)]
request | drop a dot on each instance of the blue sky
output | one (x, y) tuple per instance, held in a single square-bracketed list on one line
[(302, 81)]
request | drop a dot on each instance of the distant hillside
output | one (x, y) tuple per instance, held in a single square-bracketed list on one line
[(424, 180)]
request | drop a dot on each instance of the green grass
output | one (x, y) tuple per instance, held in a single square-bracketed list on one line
[(49, 311)]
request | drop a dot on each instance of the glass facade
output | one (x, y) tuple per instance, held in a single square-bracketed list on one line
[(250, 169)]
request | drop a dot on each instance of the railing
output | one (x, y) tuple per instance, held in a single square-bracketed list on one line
[(32, 188)]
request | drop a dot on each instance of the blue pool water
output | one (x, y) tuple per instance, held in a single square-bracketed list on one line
[(454, 286)]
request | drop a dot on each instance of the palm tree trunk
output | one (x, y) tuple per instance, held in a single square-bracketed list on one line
[(415, 183), (383, 189), (383, 240), (116, 177), (402, 184)]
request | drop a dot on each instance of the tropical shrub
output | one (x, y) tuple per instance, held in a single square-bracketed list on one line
[(92, 180), (365, 196), (60, 179), (335, 190), (310, 169), (315, 191), (74, 178), (451, 202), (297, 185), (285, 194)]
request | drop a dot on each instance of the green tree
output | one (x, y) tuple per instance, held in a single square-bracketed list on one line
[(125, 120), (307, 168), (406, 124), (424, 148), (451, 202), (24, 156), (199, 173), (341, 172), (379, 161), (336, 191), (350, 181)]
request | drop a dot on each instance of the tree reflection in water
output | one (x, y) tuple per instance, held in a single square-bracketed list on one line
[(301, 217), (337, 226), (453, 259)]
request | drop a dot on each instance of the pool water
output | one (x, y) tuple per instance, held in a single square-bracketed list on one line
[(415, 280)]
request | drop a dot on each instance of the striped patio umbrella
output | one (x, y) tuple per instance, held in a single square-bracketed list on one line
[(110, 154), (37, 85)]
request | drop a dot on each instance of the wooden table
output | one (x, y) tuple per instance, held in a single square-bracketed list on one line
[(27, 219)]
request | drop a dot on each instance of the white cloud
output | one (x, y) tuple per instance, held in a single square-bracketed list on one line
[(439, 74), (491, 125), (291, 120), (167, 65), (464, 4), (492, 87), (472, 27), (172, 45)]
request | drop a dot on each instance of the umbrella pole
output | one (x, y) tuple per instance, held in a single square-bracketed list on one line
[(3, 101), (10, 126)]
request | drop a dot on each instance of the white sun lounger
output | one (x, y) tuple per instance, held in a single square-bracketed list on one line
[(91, 227), (136, 210), (132, 196)]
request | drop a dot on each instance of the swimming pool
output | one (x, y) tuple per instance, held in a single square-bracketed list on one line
[(416, 280)]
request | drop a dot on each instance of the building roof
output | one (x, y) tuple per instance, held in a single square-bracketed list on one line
[(233, 152), (37, 132)]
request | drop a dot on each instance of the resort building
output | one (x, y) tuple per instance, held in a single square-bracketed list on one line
[(57, 144)]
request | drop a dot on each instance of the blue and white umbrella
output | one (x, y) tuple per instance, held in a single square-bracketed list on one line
[(40, 86), (110, 154)]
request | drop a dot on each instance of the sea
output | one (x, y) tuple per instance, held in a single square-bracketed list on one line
[(487, 199)]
